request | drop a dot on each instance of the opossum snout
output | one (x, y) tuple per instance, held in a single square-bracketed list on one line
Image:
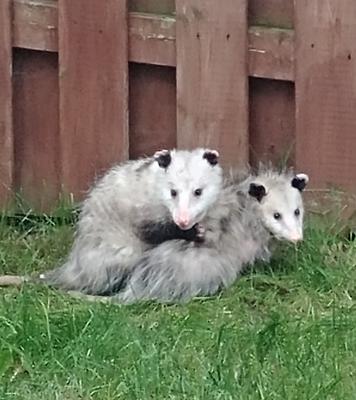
[(183, 223), (182, 220), (296, 237)]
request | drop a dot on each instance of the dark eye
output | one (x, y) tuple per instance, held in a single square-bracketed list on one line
[(173, 193), (277, 216), (198, 192), (297, 212)]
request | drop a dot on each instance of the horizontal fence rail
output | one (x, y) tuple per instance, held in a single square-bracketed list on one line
[(152, 39)]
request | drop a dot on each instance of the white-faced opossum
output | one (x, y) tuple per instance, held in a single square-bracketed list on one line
[(238, 230), (177, 185)]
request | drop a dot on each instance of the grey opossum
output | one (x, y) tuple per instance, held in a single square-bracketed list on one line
[(238, 230), (178, 186)]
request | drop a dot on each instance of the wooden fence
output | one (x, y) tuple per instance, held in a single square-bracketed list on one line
[(86, 83)]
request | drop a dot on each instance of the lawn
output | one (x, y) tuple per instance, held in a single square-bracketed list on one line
[(284, 331)]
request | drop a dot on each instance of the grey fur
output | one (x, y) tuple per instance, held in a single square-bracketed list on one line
[(107, 243), (237, 234)]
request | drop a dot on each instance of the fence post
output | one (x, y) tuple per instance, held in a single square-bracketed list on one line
[(93, 87), (6, 129), (326, 91), (212, 78)]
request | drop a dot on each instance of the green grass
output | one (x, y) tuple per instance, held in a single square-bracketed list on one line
[(284, 331)]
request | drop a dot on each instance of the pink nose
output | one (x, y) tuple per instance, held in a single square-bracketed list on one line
[(183, 222), (296, 238)]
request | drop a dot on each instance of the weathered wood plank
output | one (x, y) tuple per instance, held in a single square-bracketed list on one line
[(153, 6), (152, 109), (212, 86), (6, 128), (277, 13), (36, 107), (93, 82), (35, 24), (271, 53), (325, 91), (152, 39)]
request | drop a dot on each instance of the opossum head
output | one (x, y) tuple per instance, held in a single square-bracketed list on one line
[(280, 204), (191, 183)]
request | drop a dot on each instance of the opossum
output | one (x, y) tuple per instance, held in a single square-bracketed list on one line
[(238, 231), (177, 186)]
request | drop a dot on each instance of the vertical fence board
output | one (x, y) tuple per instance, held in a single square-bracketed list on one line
[(272, 121), (212, 98), (6, 133), (93, 79), (152, 109), (326, 91), (36, 127)]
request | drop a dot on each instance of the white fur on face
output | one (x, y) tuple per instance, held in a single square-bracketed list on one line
[(283, 201), (187, 173)]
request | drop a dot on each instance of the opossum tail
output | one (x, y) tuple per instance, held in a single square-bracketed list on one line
[(13, 280), (18, 281)]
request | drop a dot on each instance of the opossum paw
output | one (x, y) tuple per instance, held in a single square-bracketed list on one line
[(200, 233)]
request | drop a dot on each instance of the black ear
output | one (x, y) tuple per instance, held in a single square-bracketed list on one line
[(300, 181), (257, 191), (212, 156), (163, 157)]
